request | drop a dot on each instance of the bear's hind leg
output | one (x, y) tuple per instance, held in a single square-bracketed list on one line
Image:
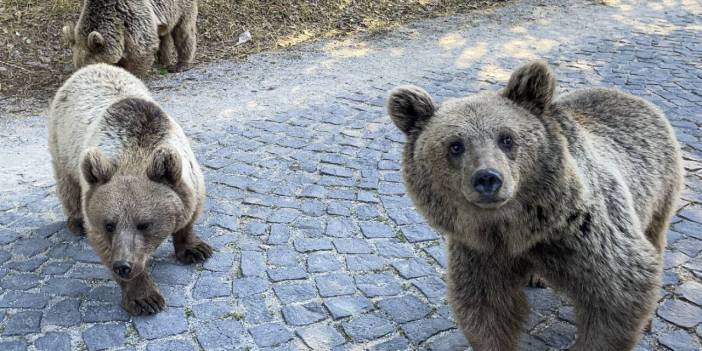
[(185, 39), (165, 48), (68, 190), (189, 248)]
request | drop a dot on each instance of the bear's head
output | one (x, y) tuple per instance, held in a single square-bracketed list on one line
[(95, 46), (129, 216), (471, 158)]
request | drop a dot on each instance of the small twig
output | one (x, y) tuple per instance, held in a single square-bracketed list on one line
[(15, 66)]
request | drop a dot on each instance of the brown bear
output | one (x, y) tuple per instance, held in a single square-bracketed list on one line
[(128, 33), (579, 190), (125, 173)]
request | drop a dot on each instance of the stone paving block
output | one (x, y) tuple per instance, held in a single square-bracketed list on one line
[(171, 345), (352, 246), (320, 337), (286, 273), (404, 309), (393, 249), (339, 209), (249, 286), (211, 310), (304, 314), (559, 335), (374, 229), (290, 293), (418, 233), (322, 262), (220, 334), (394, 344), (691, 291), (172, 273), (431, 286), (378, 284), (92, 312), (365, 263), (256, 310), (421, 330), (335, 284), (453, 340), (680, 313), (170, 321), (211, 285), (253, 263), (174, 295), (65, 287), (53, 341), (220, 262), (21, 299), (64, 313), (308, 245), (23, 322), (279, 234), (270, 334), (413, 268), (282, 256), (679, 341), (15, 345), (103, 336), (344, 306), (20, 281), (341, 228), (367, 327), (438, 253)]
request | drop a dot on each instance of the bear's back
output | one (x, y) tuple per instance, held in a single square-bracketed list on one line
[(81, 103), (625, 137)]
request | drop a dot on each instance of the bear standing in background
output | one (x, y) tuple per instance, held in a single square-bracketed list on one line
[(126, 174), (579, 190), (128, 33)]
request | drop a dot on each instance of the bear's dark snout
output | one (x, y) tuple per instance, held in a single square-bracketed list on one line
[(487, 182), (121, 268)]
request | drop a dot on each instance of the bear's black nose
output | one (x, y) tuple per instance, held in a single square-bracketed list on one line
[(487, 182), (121, 268)]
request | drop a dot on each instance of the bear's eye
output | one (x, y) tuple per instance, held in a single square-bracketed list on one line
[(456, 148), (142, 226), (506, 142), (109, 227)]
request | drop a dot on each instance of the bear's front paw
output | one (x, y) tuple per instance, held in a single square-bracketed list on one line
[(194, 253), (75, 225), (179, 67), (144, 301)]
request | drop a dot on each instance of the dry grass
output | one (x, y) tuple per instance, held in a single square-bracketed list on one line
[(34, 60)]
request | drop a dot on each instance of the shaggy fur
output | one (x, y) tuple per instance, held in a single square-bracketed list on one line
[(126, 174), (128, 33), (589, 183)]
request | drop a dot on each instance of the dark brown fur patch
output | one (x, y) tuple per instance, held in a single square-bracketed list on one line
[(136, 121)]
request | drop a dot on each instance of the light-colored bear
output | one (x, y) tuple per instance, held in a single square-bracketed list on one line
[(125, 174)]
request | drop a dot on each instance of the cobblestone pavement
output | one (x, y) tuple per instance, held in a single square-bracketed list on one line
[(318, 248)]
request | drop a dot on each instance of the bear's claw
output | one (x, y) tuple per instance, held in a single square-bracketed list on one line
[(145, 302), (196, 253), (536, 281)]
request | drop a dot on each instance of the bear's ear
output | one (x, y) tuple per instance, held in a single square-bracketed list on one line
[(97, 169), (165, 166), (531, 86), (95, 41), (68, 33), (410, 107)]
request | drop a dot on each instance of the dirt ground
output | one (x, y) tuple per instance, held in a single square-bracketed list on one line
[(34, 59)]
